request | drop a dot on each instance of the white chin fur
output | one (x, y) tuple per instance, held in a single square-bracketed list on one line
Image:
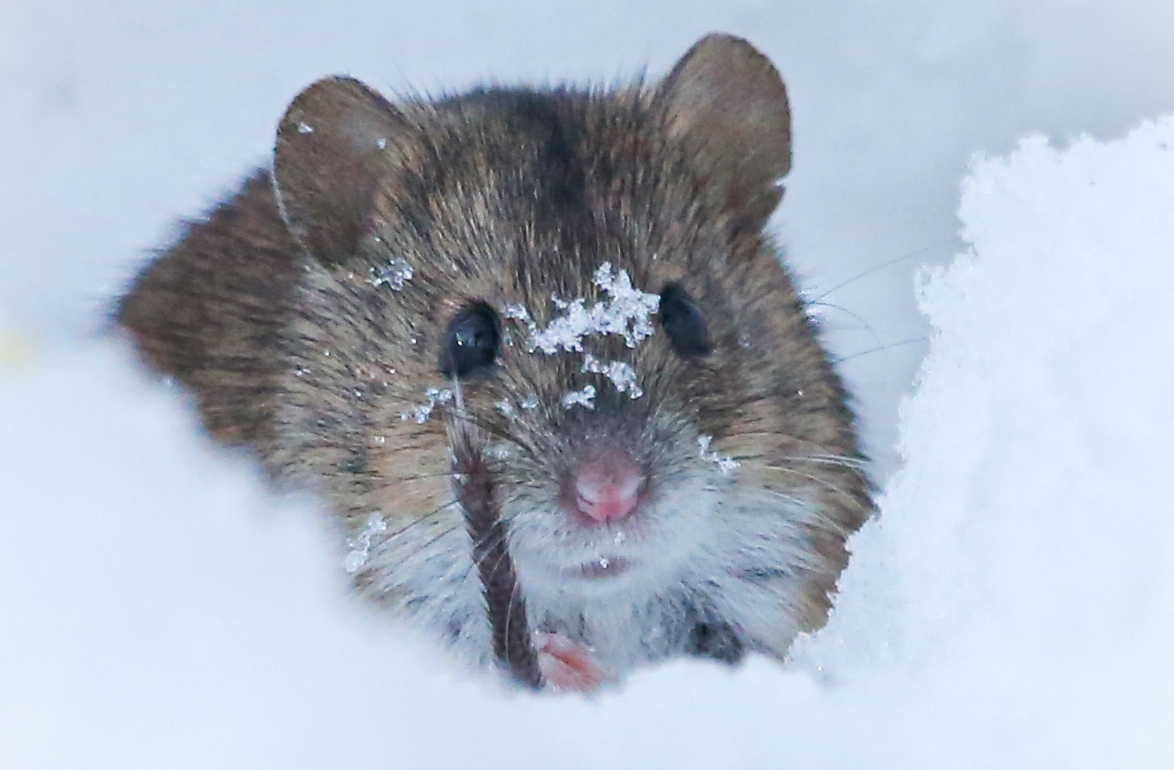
[(557, 562), (688, 551), (693, 543)]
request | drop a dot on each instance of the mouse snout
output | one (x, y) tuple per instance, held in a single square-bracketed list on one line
[(607, 486)]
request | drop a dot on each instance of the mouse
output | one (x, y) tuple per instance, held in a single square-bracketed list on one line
[(586, 279)]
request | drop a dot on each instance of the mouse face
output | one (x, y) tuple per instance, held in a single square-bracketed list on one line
[(581, 278), (585, 278)]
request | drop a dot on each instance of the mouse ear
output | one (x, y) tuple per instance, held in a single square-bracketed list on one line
[(337, 140), (726, 101)]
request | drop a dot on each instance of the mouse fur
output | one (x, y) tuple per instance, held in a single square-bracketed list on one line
[(307, 313)]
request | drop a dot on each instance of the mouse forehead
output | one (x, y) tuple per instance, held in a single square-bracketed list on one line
[(521, 196)]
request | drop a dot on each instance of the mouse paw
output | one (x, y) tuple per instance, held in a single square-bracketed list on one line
[(567, 665)]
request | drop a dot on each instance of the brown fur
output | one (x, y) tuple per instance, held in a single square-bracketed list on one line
[(208, 312), (511, 196)]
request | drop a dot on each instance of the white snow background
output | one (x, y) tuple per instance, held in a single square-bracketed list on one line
[(1012, 607)]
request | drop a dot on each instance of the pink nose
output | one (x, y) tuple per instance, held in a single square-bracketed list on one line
[(607, 487)]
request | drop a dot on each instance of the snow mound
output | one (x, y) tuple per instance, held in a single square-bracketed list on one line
[(1011, 607), (1020, 580)]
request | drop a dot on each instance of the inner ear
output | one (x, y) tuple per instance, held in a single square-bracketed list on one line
[(337, 141), (726, 102)]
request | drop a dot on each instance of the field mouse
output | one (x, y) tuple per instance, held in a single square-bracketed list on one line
[(584, 276)]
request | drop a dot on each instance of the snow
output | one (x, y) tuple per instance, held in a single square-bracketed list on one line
[(622, 375), (583, 397), (627, 312), (1015, 596), (422, 412), (1013, 606), (726, 465), (360, 545), (394, 274)]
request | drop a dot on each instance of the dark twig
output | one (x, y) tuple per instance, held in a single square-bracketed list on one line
[(503, 601)]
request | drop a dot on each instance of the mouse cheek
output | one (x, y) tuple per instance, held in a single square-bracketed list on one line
[(422, 491)]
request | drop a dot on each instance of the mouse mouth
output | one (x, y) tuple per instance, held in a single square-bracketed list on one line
[(602, 568)]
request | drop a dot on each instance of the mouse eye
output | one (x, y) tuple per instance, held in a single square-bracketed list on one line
[(472, 341), (683, 322)]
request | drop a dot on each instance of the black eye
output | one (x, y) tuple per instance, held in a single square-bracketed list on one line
[(472, 341), (683, 322)]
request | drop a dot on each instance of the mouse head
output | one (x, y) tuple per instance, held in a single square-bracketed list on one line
[(586, 275)]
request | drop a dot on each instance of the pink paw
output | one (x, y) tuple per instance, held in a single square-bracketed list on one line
[(567, 665)]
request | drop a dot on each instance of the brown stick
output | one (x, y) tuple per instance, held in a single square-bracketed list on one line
[(504, 604)]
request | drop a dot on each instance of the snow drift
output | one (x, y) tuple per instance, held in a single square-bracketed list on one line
[(1013, 605)]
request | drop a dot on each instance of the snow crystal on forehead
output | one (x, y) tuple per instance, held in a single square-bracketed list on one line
[(627, 313), (516, 310), (584, 398), (395, 274), (621, 375)]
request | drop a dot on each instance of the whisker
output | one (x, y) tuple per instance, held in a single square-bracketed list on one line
[(825, 455), (854, 463), (421, 519), (867, 326), (417, 477), (486, 546), (883, 265), (443, 534), (909, 341), (783, 495), (826, 484)]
